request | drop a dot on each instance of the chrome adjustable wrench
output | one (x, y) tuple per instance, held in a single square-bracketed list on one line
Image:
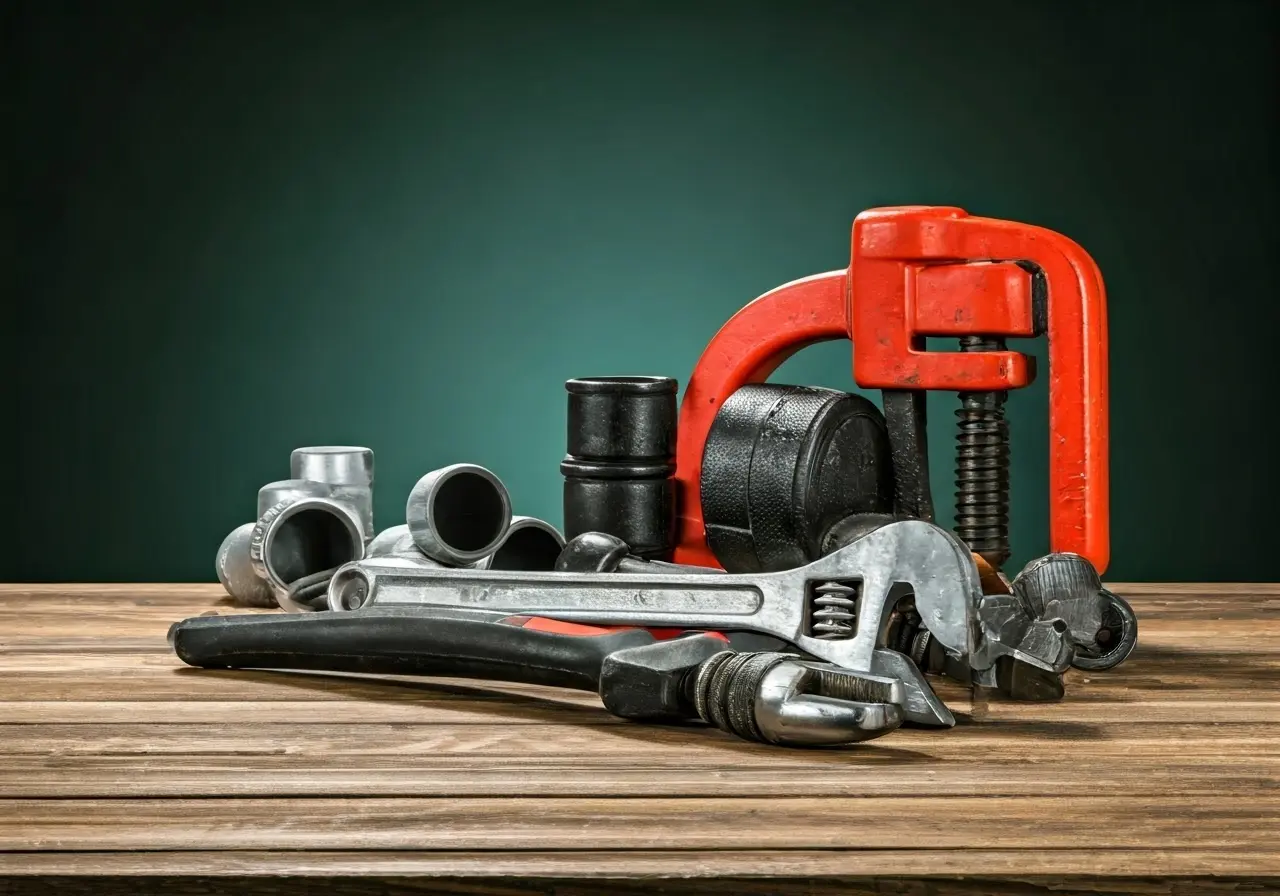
[(836, 609)]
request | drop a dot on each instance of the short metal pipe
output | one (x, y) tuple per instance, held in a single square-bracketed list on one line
[(301, 537), (530, 544), (458, 514)]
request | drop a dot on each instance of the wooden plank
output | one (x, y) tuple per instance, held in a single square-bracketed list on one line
[(627, 742), (1135, 821), (113, 745), (1193, 589), (104, 608), (1126, 865), (561, 776), (571, 710), (159, 590), (1219, 709), (142, 685), (669, 867), (565, 710), (253, 713)]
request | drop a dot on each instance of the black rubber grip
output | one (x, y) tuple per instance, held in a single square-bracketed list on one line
[(781, 465), (400, 642)]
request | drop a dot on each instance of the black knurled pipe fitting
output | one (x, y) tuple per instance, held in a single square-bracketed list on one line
[(618, 473)]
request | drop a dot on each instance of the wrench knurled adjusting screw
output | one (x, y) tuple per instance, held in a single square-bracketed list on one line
[(725, 689)]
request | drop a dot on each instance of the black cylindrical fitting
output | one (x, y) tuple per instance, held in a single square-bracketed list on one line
[(621, 460), (622, 418)]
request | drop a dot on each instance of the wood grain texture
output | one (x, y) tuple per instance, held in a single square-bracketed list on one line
[(116, 762)]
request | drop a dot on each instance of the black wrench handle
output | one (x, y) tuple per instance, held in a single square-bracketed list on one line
[(395, 641)]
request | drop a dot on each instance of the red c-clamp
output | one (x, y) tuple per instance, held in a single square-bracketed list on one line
[(918, 271)]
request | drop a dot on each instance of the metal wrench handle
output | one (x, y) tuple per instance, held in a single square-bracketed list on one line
[(937, 566)]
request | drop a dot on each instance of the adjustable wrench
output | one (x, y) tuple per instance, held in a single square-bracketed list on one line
[(835, 609)]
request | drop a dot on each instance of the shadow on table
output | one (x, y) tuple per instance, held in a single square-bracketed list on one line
[(542, 708)]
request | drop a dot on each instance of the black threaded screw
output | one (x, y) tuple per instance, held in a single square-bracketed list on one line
[(982, 466)]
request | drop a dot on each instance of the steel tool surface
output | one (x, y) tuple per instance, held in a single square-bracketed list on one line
[(273, 493), (390, 541), (602, 552), (528, 543), (1068, 586), (235, 567)]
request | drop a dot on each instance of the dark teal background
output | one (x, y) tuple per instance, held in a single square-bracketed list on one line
[(236, 228)]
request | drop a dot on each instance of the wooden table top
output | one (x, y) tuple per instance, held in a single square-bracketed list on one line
[(119, 761)]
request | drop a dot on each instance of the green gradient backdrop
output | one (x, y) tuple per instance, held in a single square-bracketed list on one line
[(244, 227)]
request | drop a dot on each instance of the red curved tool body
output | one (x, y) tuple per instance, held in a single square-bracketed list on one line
[(918, 271)]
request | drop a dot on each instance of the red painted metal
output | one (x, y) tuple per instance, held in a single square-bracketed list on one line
[(749, 347), (955, 299), (919, 271), (579, 630)]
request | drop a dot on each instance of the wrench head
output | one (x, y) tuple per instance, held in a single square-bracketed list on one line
[(800, 703), (935, 564), (1120, 627), (1065, 586), (1008, 629), (920, 705)]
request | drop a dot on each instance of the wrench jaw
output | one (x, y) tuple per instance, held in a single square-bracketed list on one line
[(1024, 640), (920, 705), (1055, 617), (1007, 628), (1020, 654), (801, 703)]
